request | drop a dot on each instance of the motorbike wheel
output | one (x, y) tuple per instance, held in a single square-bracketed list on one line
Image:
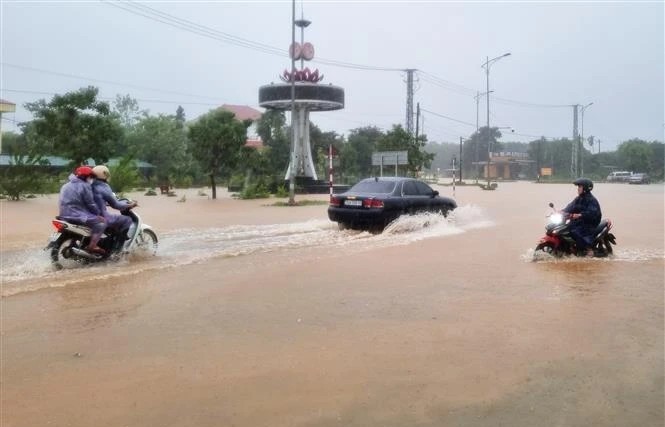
[(547, 248), (62, 255), (146, 243)]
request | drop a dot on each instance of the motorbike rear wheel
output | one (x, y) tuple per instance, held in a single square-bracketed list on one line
[(62, 255)]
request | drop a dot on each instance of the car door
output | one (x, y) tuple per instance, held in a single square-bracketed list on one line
[(427, 200), (409, 193)]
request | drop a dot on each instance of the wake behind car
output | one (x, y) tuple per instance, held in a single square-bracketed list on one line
[(373, 203)]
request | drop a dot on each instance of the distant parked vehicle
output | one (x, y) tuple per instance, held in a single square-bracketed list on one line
[(373, 203), (619, 176), (639, 178)]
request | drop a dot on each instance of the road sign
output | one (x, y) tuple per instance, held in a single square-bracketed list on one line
[(389, 158)]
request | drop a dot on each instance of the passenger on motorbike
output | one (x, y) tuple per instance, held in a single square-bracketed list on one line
[(103, 195), (77, 205), (585, 215)]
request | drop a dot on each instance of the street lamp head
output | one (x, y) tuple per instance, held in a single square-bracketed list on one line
[(505, 54)]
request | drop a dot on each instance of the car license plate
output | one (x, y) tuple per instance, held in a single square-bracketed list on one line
[(353, 203)]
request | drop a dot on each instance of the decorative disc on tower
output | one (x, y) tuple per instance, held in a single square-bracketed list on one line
[(307, 51), (295, 50)]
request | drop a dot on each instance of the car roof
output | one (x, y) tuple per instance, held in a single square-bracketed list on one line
[(388, 178)]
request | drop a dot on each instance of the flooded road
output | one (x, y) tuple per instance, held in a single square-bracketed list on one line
[(255, 315)]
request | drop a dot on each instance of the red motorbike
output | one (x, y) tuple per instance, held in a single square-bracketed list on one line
[(558, 241)]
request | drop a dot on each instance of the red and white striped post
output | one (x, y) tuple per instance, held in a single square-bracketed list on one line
[(330, 168)]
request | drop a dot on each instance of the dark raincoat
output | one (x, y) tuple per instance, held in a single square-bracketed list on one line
[(582, 229)]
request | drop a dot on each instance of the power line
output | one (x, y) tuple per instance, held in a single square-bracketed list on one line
[(448, 118), (57, 73), (183, 24), (154, 101), (461, 89)]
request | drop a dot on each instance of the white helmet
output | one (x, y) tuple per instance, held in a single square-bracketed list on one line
[(102, 172)]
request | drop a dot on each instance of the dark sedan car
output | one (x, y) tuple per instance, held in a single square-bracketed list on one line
[(373, 203)]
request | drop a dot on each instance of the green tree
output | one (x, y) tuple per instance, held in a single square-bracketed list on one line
[(275, 135), (356, 152), (475, 150), (26, 170), (635, 155), (11, 142), (128, 111), (180, 117), (216, 141), (319, 142), (399, 139), (159, 141), (76, 125)]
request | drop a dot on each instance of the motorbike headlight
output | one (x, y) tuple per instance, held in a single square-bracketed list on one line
[(556, 218)]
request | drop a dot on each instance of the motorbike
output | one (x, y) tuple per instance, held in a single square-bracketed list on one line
[(558, 241), (67, 243)]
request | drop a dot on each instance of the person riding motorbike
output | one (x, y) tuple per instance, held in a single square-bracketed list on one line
[(77, 205), (585, 215), (103, 195)]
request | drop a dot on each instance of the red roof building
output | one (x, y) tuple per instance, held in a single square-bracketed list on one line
[(242, 113)]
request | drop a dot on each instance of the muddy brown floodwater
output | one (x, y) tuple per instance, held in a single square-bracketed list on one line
[(256, 315)]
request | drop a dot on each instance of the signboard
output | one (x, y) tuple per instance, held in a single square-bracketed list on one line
[(545, 171), (390, 158)]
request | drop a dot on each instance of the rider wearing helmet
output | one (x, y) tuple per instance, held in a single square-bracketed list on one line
[(103, 195), (585, 216), (77, 205)]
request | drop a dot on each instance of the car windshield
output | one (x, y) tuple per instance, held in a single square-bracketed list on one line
[(374, 187)]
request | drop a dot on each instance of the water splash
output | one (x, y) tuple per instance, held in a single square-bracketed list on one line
[(31, 269), (619, 254)]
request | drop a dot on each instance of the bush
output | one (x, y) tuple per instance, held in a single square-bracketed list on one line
[(124, 176), (255, 191), (282, 191), (20, 179)]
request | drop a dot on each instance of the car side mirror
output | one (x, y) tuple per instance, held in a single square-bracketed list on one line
[(435, 193)]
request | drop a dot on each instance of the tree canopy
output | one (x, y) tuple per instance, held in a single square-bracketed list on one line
[(216, 141), (75, 125)]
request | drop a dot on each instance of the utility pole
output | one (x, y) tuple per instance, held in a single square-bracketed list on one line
[(574, 145), (409, 100), (460, 160), (417, 118), (582, 138), (292, 170)]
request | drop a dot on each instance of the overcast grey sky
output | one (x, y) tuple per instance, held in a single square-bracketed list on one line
[(562, 53)]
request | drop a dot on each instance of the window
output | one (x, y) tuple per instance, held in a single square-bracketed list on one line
[(424, 189), (409, 188)]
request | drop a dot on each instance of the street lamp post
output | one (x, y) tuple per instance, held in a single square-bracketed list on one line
[(487, 65), (292, 172), (582, 137), (477, 98)]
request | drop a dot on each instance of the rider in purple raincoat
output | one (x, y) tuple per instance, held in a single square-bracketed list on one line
[(77, 206), (103, 195)]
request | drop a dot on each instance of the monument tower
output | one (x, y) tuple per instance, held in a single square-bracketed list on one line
[(308, 95)]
